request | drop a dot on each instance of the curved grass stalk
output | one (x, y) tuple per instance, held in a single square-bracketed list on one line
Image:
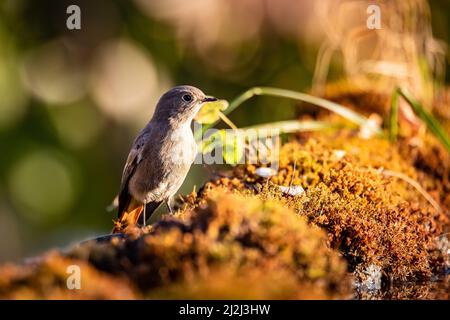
[(283, 93), (227, 121), (291, 126)]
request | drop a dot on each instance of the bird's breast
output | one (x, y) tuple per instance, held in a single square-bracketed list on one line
[(181, 148)]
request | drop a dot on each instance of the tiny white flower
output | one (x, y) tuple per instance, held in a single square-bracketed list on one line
[(339, 154), (370, 129), (292, 190), (265, 172)]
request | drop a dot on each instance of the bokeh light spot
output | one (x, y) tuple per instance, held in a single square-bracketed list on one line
[(42, 186), (78, 125), (125, 82), (52, 74), (13, 98)]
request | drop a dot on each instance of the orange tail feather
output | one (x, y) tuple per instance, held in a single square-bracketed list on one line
[(129, 217)]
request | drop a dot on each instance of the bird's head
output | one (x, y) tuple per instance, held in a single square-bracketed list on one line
[(180, 104)]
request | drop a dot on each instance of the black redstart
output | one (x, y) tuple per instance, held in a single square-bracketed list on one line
[(160, 157)]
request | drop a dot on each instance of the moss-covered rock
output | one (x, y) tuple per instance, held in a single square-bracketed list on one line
[(232, 245)]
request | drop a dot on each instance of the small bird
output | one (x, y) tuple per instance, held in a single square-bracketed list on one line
[(160, 157)]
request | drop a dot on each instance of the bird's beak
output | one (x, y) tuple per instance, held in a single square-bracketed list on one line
[(209, 99)]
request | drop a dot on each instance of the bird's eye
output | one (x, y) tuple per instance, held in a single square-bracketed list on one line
[(187, 98)]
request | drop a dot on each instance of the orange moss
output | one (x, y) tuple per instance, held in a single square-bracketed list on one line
[(364, 98), (229, 245), (266, 282), (228, 236), (47, 279), (373, 219)]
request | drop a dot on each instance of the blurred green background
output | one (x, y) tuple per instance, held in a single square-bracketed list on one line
[(71, 101)]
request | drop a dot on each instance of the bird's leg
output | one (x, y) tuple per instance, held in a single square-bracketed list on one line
[(144, 214), (169, 205)]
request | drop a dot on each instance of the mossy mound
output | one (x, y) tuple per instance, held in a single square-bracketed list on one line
[(364, 97), (356, 190), (233, 245), (46, 278)]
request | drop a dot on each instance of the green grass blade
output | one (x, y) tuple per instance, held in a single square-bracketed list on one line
[(431, 122), (393, 116)]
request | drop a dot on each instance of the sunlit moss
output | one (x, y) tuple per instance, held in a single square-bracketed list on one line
[(47, 279), (230, 246), (372, 218), (249, 241)]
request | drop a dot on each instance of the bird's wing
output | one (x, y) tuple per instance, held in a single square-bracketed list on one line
[(133, 160)]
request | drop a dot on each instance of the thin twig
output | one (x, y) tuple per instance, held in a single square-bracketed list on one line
[(292, 177), (415, 184)]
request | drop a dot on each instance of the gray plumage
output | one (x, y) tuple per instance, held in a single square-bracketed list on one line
[(163, 152)]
